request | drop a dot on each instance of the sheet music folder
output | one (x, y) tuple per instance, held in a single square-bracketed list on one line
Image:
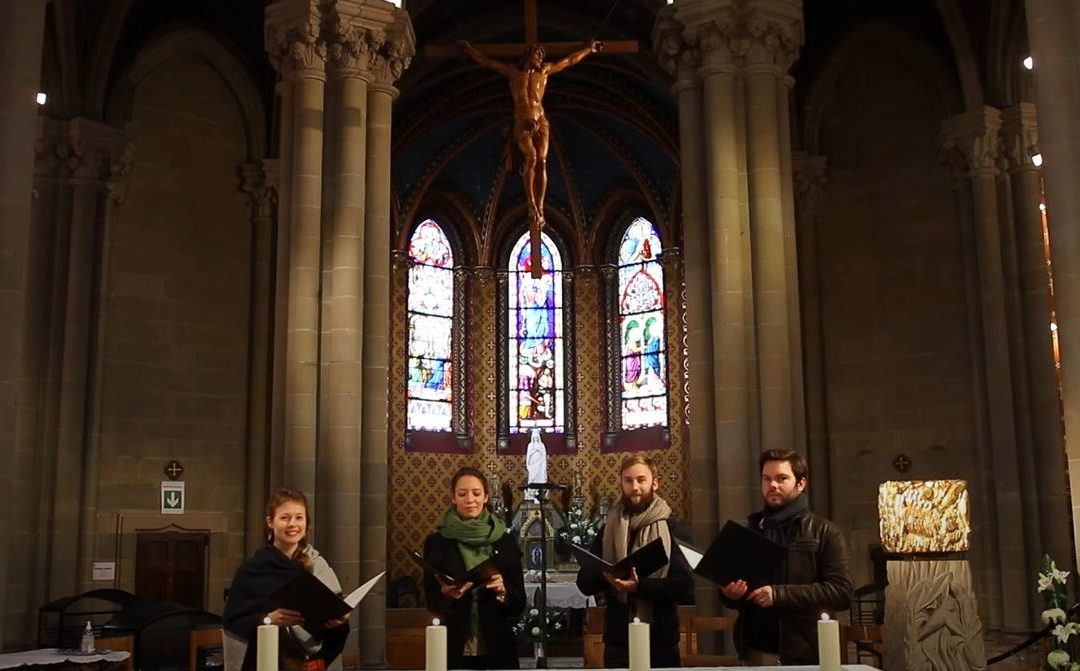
[(736, 553), (647, 559), (317, 602), (477, 575)]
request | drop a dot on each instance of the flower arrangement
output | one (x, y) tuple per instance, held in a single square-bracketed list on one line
[(580, 529), (530, 623), (1052, 583)]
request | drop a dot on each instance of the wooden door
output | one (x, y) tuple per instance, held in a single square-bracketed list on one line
[(172, 566)]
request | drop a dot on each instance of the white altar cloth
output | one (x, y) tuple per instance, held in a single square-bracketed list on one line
[(58, 656), (559, 595)]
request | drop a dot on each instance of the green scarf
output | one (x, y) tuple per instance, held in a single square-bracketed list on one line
[(474, 540)]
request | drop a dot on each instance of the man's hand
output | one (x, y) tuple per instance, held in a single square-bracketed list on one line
[(762, 597), (734, 590), (334, 624), (596, 46), (453, 592), (627, 586), (496, 584)]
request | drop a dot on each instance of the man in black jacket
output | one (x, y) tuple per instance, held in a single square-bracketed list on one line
[(777, 622), (637, 519)]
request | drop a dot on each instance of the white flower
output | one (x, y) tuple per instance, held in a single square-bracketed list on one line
[(536, 632), (1063, 631), (533, 612), (1060, 576), (577, 540), (1046, 582), (1058, 659), (1053, 615)]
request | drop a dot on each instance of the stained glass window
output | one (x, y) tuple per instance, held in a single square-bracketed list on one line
[(641, 328), (431, 311), (535, 331)]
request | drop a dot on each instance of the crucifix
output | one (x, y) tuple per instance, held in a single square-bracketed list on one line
[(528, 82)]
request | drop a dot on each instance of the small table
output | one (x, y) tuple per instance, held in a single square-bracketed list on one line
[(45, 656)]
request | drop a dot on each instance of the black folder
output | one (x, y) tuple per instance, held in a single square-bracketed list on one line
[(737, 553), (647, 559), (317, 602), (477, 575)]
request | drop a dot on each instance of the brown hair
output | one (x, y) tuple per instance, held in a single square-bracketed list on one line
[(797, 461), (634, 460), (468, 470), (276, 500)]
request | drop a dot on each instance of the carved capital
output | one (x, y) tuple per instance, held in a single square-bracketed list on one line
[(294, 39), (262, 198), (119, 170), (395, 51), (971, 142), (95, 148), (808, 175), (51, 149), (1020, 136), (675, 53), (736, 34)]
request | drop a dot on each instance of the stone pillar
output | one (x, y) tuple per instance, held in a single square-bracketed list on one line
[(971, 140), (259, 181), (682, 61), (389, 60), (1048, 442), (298, 53), (21, 36), (771, 37), (1054, 37), (809, 191)]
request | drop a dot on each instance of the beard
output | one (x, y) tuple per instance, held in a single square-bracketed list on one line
[(631, 508), (786, 499)]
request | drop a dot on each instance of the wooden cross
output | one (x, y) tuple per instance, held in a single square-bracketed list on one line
[(516, 50), (174, 470)]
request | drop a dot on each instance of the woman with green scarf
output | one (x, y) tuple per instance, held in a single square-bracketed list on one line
[(479, 615)]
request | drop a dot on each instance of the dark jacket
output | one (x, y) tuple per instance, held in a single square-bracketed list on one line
[(249, 601), (496, 619), (812, 578), (665, 593)]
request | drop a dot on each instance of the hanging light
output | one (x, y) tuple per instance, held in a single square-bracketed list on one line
[(1042, 207), (41, 97), (1029, 63), (1036, 160)]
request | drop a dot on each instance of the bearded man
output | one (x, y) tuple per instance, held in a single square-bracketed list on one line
[(637, 519), (778, 622)]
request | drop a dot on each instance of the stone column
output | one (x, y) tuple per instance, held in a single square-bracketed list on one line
[(773, 32), (96, 149), (971, 140), (259, 181), (1048, 442), (298, 53), (21, 36), (728, 272), (681, 59), (809, 188), (1054, 36), (389, 60)]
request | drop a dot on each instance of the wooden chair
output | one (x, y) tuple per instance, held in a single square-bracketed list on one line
[(406, 629), (865, 641), (119, 644), (592, 638), (202, 638), (696, 624)]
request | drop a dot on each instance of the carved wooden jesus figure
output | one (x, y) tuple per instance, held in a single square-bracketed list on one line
[(528, 81)]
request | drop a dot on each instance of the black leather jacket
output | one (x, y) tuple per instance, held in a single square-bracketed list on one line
[(813, 578)]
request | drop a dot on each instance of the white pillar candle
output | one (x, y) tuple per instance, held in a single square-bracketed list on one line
[(828, 642), (639, 646), (266, 657), (435, 653)]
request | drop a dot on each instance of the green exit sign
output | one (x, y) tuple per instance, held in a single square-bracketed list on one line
[(172, 498)]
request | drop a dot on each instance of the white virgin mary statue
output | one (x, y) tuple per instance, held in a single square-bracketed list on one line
[(535, 464)]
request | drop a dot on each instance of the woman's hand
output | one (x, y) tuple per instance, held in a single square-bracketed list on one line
[(735, 590), (496, 584), (451, 591), (334, 624), (283, 617)]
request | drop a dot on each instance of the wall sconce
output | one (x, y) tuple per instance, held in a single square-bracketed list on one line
[(923, 516)]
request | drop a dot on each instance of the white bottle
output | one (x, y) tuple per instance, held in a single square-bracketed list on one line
[(87, 642)]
